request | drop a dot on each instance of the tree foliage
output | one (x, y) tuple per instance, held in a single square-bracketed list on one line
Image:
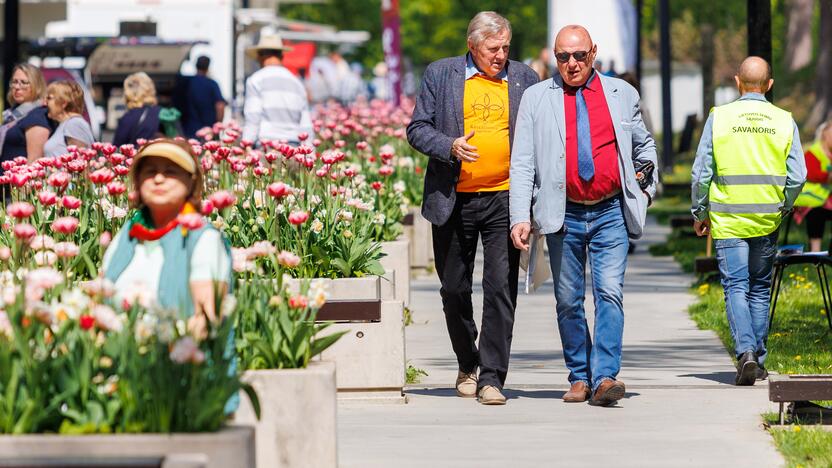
[(430, 29)]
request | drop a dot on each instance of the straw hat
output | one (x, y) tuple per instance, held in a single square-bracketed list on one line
[(267, 42), (164, 148)]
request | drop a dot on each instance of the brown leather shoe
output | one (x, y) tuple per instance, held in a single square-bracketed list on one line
[(608, 393), (578, 393)]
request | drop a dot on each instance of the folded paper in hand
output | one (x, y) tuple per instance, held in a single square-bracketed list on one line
[(533, 261)]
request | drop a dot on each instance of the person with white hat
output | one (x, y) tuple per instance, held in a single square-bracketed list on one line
[(276, 104)]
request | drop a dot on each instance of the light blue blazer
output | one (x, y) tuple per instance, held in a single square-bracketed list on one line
[(538, 156)]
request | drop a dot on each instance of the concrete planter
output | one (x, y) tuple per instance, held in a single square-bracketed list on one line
[(397, 260), (370, 357), (232, 447), (297, 426), (420, 234)]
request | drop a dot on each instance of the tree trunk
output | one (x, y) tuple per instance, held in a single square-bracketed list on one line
[(799, 35), (822, 109)]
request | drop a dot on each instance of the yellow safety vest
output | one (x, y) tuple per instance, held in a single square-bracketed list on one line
[(815, 194), (751, 140)]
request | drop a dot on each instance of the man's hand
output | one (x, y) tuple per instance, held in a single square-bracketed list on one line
[(702, 228), (520, 235), (461, 150)]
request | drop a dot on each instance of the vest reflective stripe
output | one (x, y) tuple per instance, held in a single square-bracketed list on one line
[(815, 194), (747, 208), (751, 180), (751, 143)]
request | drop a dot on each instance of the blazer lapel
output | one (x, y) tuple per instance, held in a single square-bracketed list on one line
[(556, 101), (458, 86), (515, 94), (613, 97)]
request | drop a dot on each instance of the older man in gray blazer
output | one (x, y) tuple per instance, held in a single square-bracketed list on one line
[(464, 120), (579, 137)]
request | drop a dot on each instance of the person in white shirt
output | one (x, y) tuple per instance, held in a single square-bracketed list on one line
[(276, 104)]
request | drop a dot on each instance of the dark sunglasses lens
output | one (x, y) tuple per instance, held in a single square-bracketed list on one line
[(579, 56), (562, 57)]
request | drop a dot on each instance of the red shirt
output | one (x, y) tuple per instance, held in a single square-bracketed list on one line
[(814, 173), (604, 150)]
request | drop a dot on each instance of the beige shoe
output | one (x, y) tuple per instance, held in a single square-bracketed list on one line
[(466, 384), (491, 395)]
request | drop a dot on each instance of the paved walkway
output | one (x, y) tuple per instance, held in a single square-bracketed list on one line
[(680, 408)]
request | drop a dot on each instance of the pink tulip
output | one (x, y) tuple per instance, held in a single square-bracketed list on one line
[(47, 198), (65, 225), (385, 170), (288, 259), (5, 253), (116, 188), (19, 179), (66, 249), (20, 210), (104, 239), (102, 176), (298, 217), (303, 136), (121, 170), (78, 165), (222, 199), (191, 221), (71, 203), (24, 232), (207, 207), (58, 179), (278, 190)]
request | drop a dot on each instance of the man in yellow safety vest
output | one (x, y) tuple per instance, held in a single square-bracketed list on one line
[(814, 199), (749, 170)]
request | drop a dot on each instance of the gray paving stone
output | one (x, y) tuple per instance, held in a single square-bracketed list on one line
[(680, 409)]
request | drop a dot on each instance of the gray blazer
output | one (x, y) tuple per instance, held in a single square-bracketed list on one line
[(438, 120), (538, 157)]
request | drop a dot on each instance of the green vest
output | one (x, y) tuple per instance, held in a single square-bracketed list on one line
[(815, 194), (751, 142)]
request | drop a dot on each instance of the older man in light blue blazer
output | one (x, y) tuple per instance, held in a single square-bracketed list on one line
[(578, 139)]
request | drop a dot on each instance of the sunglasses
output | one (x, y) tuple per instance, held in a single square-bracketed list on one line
[(580, 56)]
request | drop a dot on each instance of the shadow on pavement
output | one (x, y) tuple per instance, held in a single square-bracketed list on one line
[(720, 377)]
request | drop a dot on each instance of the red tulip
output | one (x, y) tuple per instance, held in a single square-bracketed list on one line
[(65, 225), (377, 185), (19, 180), (385, 170), (298, 302), (86, 321), (20, 210), (303, 136), (298, 217), (207, 207)]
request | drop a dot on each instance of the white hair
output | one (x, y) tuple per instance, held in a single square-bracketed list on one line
[(486, 24)]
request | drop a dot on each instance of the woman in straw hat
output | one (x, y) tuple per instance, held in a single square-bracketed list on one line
[(276, 104), (166, 251)]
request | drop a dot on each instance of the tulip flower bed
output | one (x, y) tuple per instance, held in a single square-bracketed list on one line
[(72, 361)]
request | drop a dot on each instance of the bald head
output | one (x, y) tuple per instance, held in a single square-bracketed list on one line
[(754, 76), (573, 35)]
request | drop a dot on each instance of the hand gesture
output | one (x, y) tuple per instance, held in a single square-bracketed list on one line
[(520, 235), (461, 150), (702, 228)]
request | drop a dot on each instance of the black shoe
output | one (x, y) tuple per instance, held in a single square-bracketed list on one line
[(746, 369), (762, 373)]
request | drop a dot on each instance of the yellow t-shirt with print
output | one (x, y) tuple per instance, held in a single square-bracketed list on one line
[(486, 113)]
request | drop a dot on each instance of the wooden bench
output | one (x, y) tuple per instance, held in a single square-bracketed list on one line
[(784, 389)]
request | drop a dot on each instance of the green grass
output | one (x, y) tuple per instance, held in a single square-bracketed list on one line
[(799, 343), (804, 446), (414, 374)]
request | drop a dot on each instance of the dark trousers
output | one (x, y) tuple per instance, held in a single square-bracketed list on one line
[(455, 248)]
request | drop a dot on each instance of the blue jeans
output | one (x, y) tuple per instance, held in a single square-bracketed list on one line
[(598, 230), (745, 267)]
